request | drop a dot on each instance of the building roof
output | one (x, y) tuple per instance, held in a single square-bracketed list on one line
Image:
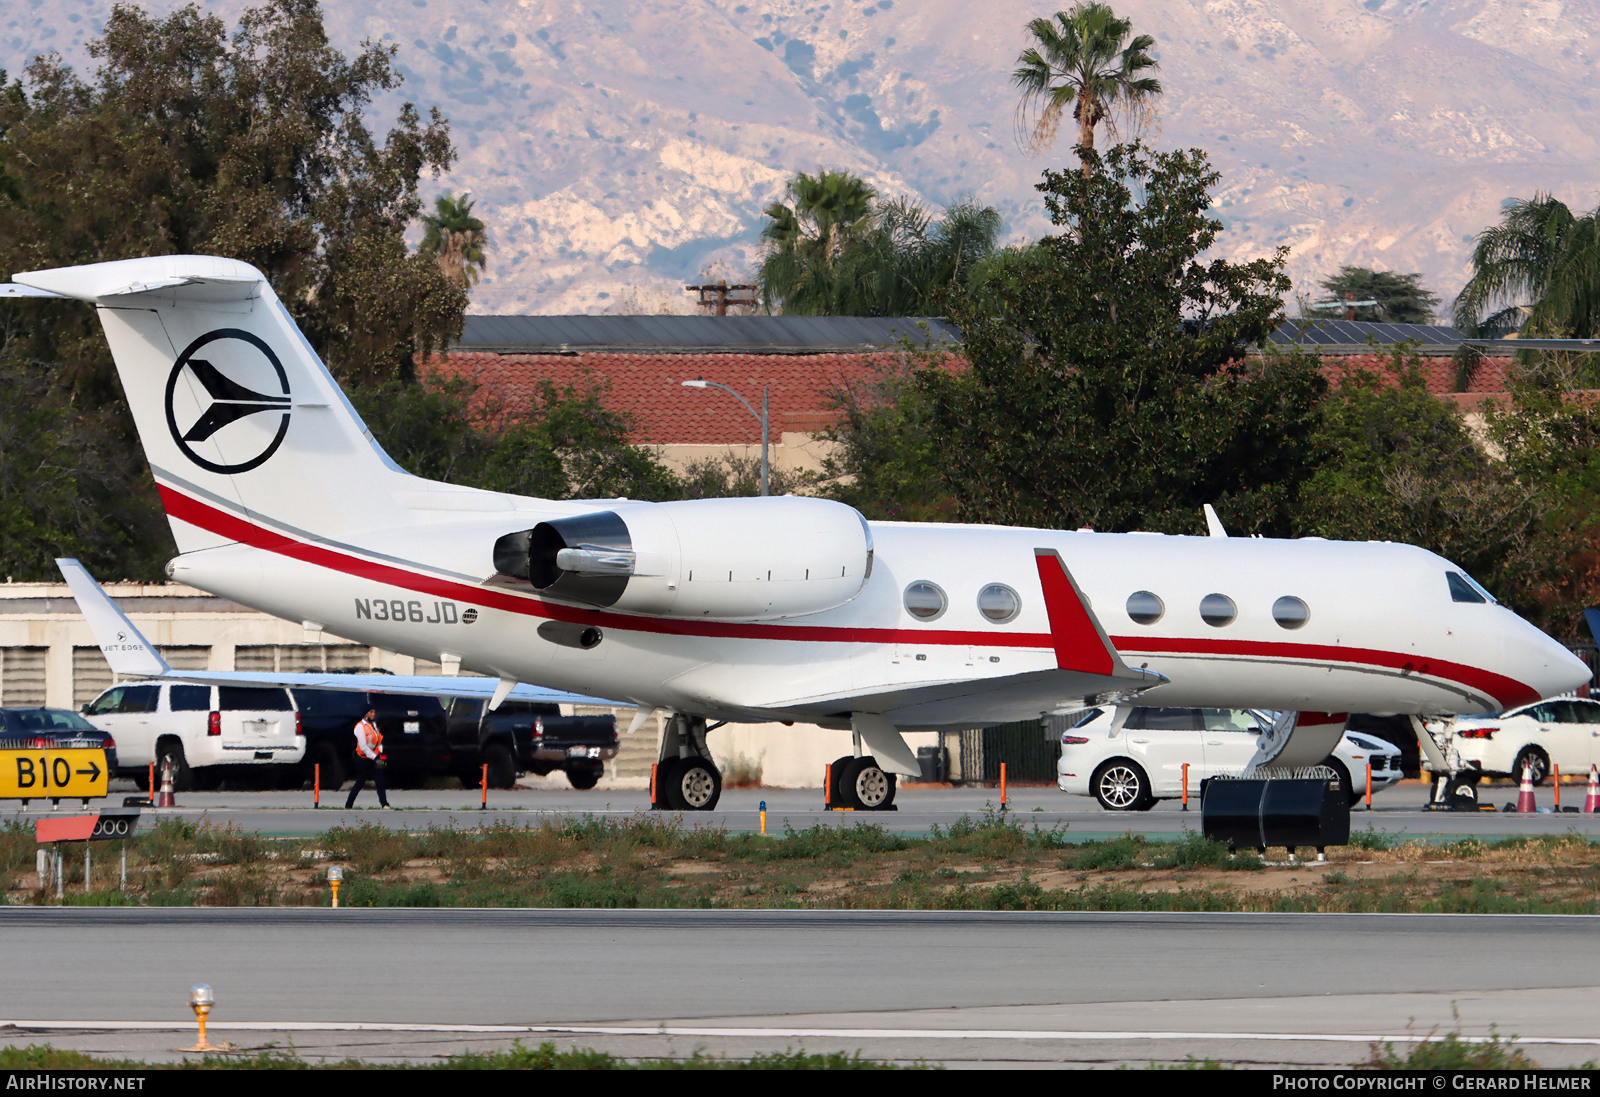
[(649, 387), (1358, 336), (697, 334), (803, 361)]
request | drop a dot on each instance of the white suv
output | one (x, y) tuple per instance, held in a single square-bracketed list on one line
[(205, 730), (1131, 767)]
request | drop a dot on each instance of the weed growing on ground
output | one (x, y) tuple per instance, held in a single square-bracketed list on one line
[(1196, 851), (547, 1056), (1452, 1052)]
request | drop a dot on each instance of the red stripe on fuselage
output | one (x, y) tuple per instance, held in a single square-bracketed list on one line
[(1507, 691)]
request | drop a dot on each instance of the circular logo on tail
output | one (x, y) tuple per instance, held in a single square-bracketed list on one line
[(228, 401)]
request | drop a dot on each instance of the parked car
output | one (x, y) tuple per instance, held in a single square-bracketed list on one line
[(528, 737), (1561, 732), (53, 729), (206, 732), (412, 726), (1131, 767)]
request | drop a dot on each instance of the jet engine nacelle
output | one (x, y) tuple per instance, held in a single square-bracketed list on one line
[(723, 559)]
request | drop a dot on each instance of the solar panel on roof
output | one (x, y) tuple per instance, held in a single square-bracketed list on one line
[(1354, 335), (771, 334)]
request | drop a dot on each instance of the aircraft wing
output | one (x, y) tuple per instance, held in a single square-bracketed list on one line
[(132, 656), (1088, 666)]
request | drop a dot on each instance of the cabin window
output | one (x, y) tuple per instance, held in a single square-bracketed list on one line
[(1290, 612), (1463, 589), (1218, 610), (925, 601), (999, 603), (1145, 608)]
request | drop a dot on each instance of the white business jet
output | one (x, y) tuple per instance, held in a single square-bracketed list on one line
[(765, 609)]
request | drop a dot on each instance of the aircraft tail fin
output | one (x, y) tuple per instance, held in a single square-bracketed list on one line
[(239, 418), (124, 646)]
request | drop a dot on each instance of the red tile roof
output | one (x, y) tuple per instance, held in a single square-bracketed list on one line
[(649, 387), (1438, 373), (799, 386)]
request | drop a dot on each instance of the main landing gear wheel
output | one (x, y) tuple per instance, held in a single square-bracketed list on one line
[(689, 784), (1122, 786), (866, 785), (835, 793)]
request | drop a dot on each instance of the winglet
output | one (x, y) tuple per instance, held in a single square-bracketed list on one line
[(1081, 644), (1592, 618), (1213, 523), (125, 648)]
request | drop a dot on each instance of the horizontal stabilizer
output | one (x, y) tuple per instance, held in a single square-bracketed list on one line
[(125, 648)]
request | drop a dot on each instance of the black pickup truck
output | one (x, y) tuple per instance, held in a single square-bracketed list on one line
[(527, 737)]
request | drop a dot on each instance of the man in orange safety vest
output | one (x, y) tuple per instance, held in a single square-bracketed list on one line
[(369, 759)]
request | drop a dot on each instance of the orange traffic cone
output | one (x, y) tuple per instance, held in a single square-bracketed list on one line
[(1525, 802), (1591, 799), (164, 797)]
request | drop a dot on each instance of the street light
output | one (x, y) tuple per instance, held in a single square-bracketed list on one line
[(702, 383)]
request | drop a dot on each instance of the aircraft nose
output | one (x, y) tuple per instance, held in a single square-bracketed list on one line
[(1562, 672)]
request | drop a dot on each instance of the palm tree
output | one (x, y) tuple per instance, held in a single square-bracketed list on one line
[(456, 238), (1079, 58), (1537, 272), (804, 242), (838, 251)]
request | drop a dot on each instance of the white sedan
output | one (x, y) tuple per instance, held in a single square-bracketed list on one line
[(1131, 767), (1562, 732)]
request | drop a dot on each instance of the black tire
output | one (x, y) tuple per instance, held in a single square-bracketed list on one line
[(694, 784), (866, 785), (334, 770), (182, 776), (835, 793), (1538, 759), (502, 766), (1121, 785), (666, 775), (585, 775)]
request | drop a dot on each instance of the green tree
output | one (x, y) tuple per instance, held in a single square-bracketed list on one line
[(1537, 272), (456, 239), (1401, 298), (806, 239), (253, 145), (1084, 59), (839, 251), (1404, 467), (563, 444), (887, 462), (1110, 388), (191, 138)]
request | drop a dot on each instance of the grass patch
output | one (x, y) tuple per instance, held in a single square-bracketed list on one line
[(992, 861), (546, 1056)]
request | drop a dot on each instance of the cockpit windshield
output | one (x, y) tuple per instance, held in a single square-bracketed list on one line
[(1464, 589)]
